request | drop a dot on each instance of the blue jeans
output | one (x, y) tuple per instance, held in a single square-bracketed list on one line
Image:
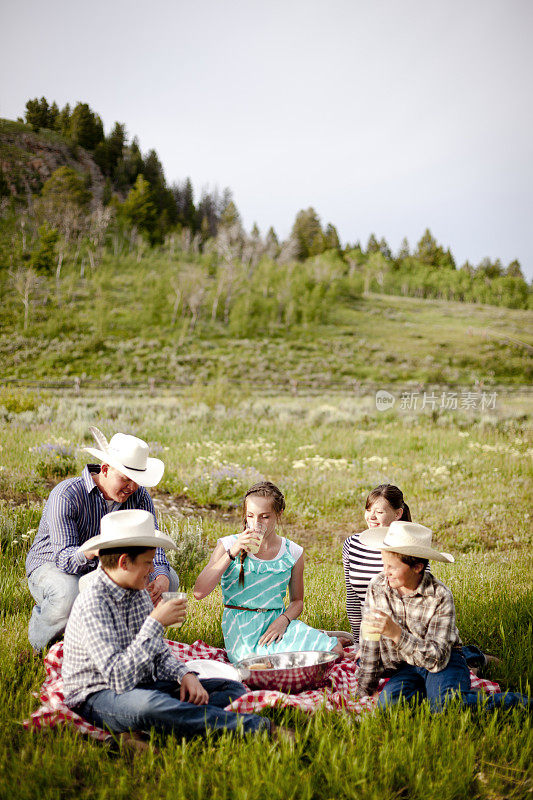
[(54, 593), (416, 683), (155, 705), (473, 656)]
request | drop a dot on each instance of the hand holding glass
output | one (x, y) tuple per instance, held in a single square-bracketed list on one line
[(258, 529), (370, 617), (165, 596)]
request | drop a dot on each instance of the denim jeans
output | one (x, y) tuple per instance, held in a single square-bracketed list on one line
[(155, 705), (54, 593), (474, 656), (416, 683)]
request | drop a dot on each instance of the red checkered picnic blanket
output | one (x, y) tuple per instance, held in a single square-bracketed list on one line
[(340, 694)]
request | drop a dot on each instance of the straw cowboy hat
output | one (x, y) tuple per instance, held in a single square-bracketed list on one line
[(134, 528), (407, 538), (129, 455)]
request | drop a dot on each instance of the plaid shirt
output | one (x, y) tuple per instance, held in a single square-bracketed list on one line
[(71, 516), (427, 619), (112, 642)]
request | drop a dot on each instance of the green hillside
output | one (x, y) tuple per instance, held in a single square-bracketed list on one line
[(163, 319), (109, 275)]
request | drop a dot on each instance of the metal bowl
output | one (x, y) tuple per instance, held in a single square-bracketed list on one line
[(288, 672)]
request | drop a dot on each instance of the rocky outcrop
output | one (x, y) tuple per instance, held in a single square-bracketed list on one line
[(28, 159)]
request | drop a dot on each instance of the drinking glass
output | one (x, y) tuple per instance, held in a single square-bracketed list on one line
[(174, 596), (259, 529), (369, 618)]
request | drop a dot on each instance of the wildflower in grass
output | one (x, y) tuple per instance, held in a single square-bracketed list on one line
[(55, 459), (320, 463)]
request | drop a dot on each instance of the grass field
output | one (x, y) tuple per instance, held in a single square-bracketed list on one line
[(465, 473), (116, 326)]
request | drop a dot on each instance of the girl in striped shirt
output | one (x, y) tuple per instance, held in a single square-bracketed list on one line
[(384, 505)]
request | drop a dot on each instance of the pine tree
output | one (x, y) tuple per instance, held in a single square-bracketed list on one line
[(184, 199), (403, 252), (65, 186), (230, 216), (109, 151), (86, 128), (372, 245), (43, 259), (63, 121), (307, 234), (38, 114), (331, 238), (138, 208), (514, 270)]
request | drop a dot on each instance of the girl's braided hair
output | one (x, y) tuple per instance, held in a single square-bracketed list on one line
[(261, 489)]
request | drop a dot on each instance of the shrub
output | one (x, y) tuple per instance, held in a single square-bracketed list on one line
[(16, 401), (55, 459), (188, 536)]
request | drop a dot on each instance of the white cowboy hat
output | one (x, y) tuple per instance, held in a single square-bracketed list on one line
[(407, 538), (134, 528), (129, 455)]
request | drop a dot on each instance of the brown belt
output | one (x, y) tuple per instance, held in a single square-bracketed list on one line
[(243, 608)]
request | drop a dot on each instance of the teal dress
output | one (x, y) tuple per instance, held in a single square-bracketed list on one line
[(265, 584)]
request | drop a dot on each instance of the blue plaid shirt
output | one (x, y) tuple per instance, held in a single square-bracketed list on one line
[(71, 516), (112, 642)]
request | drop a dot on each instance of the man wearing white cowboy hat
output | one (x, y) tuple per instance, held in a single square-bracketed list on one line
[(408, 632), (118, 672), (71, 516)]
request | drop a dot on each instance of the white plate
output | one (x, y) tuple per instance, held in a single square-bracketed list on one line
[(210, 668)]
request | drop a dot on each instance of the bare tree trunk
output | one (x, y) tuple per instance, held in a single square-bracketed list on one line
[(23, 232), (216, 300), (60, 258), (26, 301), (229, 298), (176, 305), (58, 276)]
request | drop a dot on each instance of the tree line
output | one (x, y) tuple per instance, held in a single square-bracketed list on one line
[(138, 212), (154, 207)]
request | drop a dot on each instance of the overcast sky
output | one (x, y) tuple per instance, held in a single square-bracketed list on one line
[(386, 116)]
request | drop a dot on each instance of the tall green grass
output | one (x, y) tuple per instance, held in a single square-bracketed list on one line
[(476, 499), (401, 753)]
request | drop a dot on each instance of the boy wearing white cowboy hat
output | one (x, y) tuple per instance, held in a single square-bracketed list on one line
[(118, 672), (71, 516), (409, 631)]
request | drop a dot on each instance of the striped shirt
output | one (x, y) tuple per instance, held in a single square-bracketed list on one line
[(427, 618), (361, 564), (112, 642), (71, 516)]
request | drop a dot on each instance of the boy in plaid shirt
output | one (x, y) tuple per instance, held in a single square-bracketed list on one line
[(409, 633), (118, 672)]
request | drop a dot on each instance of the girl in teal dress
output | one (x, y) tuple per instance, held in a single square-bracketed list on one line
[(255, 620)]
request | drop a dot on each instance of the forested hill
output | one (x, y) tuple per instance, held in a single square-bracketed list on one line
[(71, 194), (28, 159)]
